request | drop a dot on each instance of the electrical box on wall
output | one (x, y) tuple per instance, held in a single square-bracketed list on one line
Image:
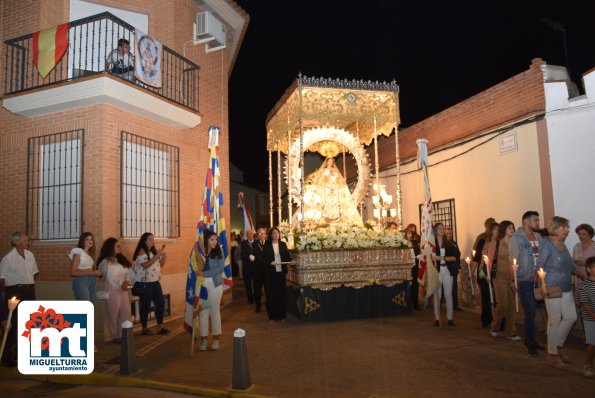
[(209, 30)]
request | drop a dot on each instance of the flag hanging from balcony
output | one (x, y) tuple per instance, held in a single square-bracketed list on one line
[(427, 275), (209, 219), (248, 225), (147, 68), (49, 46)]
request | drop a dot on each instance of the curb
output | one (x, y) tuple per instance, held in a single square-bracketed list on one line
[(99, 379)]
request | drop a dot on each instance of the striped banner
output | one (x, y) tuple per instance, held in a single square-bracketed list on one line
[(49, 46)]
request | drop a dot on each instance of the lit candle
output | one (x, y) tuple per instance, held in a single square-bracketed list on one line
[(468, 261), (473, 253), (515, 266), (541, 273), (486, 260), (12, 304)]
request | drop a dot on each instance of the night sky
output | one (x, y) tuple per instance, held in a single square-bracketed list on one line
[(439, 53)]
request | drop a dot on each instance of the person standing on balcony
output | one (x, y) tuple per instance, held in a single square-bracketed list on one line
[(120, 61)]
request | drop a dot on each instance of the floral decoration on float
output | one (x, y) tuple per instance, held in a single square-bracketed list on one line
[(344, 236)]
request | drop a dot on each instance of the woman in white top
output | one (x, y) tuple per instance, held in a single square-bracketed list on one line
[(117, 271), (147, 271), (82, 268)]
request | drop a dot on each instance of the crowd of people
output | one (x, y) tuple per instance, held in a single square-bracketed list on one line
[(532, 263), (142, 276)]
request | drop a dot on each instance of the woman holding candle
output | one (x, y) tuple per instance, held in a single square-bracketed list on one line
[(446, 256), (500, 271), (481, 249), (277, 256), (555, 260), (117, 272), (82, 268)]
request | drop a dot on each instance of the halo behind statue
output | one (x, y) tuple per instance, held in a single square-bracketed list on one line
[(341, 139)]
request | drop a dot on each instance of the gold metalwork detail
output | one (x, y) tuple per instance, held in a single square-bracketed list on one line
[(400, 300), (328, 269), (310, 305)]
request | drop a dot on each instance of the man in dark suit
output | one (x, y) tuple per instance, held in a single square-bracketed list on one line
[(259, 266), (247, 248)]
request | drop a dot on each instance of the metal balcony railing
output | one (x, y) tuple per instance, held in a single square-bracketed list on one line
[(91, 40)]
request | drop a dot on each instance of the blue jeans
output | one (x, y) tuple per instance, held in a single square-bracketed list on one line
[(85, 287), (530, 307), (152, 292)]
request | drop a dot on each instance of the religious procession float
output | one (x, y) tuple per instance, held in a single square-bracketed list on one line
[(343, 267)]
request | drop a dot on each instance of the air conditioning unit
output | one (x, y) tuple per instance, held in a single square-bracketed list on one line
[(209, 30)]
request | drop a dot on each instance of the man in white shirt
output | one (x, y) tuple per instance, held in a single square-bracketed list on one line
[(17, 278)]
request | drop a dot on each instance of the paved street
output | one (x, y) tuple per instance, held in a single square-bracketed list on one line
[(382, 357)]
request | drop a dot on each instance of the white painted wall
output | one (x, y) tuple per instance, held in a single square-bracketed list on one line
[(571, 135), (483, 182)]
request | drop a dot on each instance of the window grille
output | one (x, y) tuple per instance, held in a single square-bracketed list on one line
[(150, 187), (444, 211), (55, 165)]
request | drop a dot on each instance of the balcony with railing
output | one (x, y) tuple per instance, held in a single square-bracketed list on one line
[(82, 77)]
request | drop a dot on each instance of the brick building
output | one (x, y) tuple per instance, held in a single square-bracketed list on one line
[(492, 155), (85, 150)]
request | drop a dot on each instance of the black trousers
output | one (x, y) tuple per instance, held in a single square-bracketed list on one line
[(21, 292), (247, 274), (258, 283), (276, 295), (152, 292), (486, 309)]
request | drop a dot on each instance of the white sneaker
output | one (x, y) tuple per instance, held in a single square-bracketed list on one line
[(494, 333), (215, 345), (514, 337), (203, 345)]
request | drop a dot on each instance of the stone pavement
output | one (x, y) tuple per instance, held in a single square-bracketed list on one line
[(382, 357)]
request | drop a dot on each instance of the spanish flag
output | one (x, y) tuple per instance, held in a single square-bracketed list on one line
[(49, 46)]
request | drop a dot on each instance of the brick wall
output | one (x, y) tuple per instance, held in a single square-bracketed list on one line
[(172, 25), (511, 100)]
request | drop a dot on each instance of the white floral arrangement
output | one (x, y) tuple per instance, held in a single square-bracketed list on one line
[(343, 236)]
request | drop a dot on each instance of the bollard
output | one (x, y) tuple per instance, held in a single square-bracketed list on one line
[(127, 353), (241, 371)]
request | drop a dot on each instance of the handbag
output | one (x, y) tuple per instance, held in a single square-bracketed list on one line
[(137, 289), (552, 292)]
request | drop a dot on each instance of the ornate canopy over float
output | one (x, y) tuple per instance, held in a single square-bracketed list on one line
[(339, 259)]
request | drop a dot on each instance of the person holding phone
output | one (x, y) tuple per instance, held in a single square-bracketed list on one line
[(277, 256), (147, 272)]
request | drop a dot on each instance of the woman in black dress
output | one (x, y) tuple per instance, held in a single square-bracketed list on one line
[(276, 254)]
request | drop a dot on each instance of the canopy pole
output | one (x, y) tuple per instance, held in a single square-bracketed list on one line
[(271, 188), (279, 203)]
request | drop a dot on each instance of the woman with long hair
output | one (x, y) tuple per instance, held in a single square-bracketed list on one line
[(412, 236), (446, 256), (481, 249), (276, 256), (212, 271), (119, 276), (501, 274), (148, 262), (555, 259), (82, 268)]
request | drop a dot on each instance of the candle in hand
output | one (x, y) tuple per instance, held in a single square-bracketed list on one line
[(486, 259), (541, 273), (12, 303), (473, 253), (515, 266), (468, 260)]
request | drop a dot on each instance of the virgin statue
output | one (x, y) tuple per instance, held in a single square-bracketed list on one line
[(327, 199)]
